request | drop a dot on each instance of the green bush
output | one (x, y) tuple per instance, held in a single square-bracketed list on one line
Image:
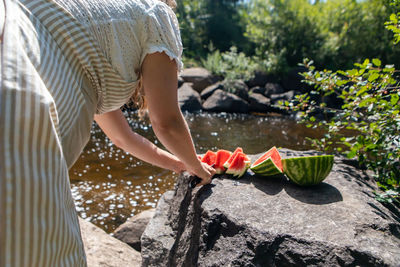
[(371, 108), (232, 65), (334, 33)]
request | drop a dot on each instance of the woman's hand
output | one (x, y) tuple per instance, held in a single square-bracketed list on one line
[(204, 172)]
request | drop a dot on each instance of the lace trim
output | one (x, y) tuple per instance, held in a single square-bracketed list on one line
[(158, 48)]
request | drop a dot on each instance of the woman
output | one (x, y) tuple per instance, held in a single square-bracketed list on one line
[(63, 63)]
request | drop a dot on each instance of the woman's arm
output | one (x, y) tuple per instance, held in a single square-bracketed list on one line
[(115, 126), (160, 85)]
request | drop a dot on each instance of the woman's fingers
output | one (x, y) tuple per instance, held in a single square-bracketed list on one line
[(206, 176)]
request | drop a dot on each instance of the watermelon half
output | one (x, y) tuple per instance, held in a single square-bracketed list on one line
[(310, 170), (222, 157), (209, 157), (229, 161), (239, 165), (268, 164)]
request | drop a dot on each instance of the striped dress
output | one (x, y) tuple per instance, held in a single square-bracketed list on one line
[(62, 61)]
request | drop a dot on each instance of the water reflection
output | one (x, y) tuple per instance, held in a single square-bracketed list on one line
[(109, 185)]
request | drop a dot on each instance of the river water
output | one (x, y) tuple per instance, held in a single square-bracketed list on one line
[(109, 186)]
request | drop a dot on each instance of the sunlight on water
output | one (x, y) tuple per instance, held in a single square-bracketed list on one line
[(109, 185)]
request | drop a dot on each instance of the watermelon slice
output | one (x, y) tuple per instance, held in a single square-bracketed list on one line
[(308, 170), (209, 157), (229, 161), (222, 157), (239, 165), (268, 164)]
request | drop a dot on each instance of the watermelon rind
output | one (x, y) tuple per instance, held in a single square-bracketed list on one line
[(266, 168), (308, 170), (239, 172)]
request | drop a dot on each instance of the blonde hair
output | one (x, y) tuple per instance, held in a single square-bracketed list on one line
[(171, 3), (138, 98)]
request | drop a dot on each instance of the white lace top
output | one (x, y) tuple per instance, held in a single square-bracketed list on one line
[(126, 31)]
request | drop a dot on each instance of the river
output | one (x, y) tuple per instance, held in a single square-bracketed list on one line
[(109, 186)]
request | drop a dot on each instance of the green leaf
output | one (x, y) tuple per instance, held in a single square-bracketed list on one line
[(352, 153), (373, 77), (394, 99), (376, 62)]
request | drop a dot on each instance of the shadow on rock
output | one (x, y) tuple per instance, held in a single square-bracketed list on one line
[(320, 194), (271, 185)]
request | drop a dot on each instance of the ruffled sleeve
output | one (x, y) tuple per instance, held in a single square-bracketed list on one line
[(162, 33)]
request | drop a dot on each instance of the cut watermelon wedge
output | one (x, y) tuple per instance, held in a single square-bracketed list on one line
[(239, 165), (268, 164), (229, 161), (222, 157), (209, 157)]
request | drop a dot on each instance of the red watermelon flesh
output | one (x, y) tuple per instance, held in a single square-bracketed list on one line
[(229, 161), (209, 157), (273, 153), (239, 165), (222, 157)]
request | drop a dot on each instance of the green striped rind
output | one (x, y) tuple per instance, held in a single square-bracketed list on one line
[(266, 168), (308, 170), (238, 172)]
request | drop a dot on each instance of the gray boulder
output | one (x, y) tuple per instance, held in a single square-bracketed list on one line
[(273, 89), (285, 96), (199, 77), (257, 90), (180, 81), (269, 221), (189, 99), (259, 103), (207, 92), (131, 231), (238, 88), (103, 250), (221, 101)]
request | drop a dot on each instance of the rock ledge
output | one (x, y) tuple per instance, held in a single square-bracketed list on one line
[(260, 221)]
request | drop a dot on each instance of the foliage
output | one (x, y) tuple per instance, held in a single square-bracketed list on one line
[(394, 22), (370, 93), (205, 21), (371, 108), (232, 65), (333, 33), (285, 30)]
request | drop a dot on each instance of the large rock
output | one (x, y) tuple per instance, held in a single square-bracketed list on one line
[(260, 79), (131, 231), (221, 101), (199, 77), (189, 99), (275, 98), (259, 103), (208, 91), (269, 221), (103, 250), (273, 89), (238, 88)]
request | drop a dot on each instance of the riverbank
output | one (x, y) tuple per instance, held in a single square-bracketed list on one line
[(199, 90)]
